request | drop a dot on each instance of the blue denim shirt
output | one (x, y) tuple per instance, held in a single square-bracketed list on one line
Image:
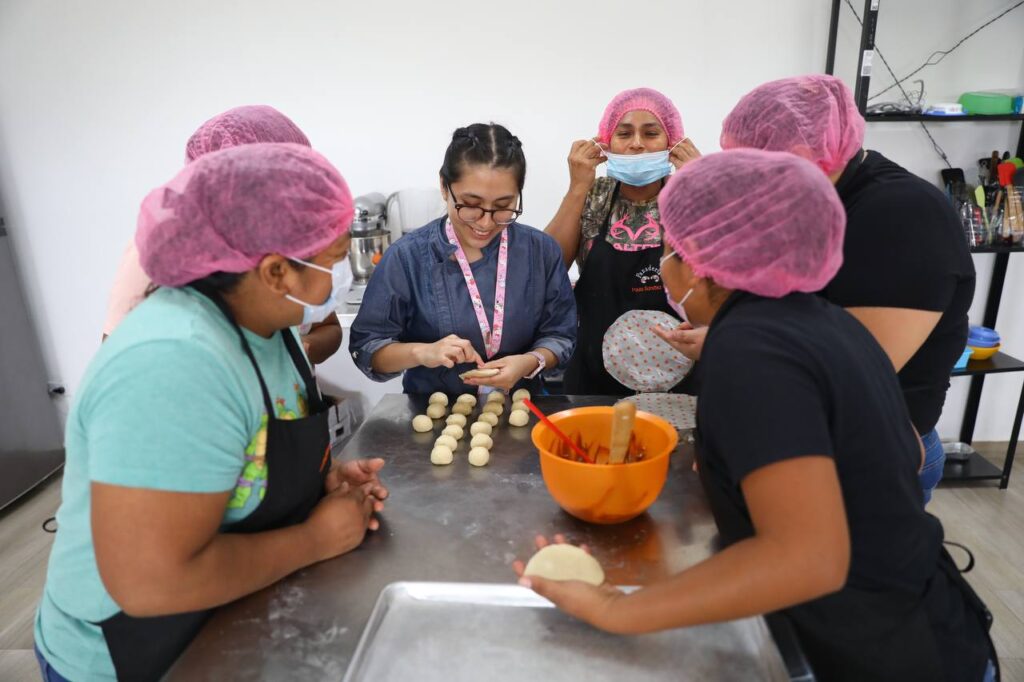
[(417, 294)]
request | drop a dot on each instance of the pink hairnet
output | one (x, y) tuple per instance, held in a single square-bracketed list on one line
[(243, 125), (764, 222), (641, 99), (811, 116), (227, 210)]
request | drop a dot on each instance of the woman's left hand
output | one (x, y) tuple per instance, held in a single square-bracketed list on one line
[(361, 472), (594, 604), (511, 368), (683, 153)]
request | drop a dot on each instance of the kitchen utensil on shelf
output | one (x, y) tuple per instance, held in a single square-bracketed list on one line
[(952, 176), (979, 195)]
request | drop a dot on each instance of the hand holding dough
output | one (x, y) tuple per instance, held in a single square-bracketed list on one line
[(448, 442), (481, 427), (519, 418), (421, 423), (438, 399), (435, 411), (521, 394), (456, 419), (478, 457), (441, 455), (481, 440), (488, 418), (480, 373), (455, 432), (565, 562)]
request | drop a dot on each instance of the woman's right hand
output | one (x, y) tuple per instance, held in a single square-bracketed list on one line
[(684, 338), (584, 158), (340, 520), (448, 352)]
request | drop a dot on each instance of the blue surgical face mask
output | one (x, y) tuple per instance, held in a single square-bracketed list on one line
[(639, 170), (341, 281)]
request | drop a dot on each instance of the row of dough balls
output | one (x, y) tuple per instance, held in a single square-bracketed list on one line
[(481, 443)]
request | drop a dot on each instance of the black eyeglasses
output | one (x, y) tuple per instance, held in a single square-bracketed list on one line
[(471, 214)]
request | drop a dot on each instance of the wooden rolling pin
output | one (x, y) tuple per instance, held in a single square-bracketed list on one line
[(623, 420)]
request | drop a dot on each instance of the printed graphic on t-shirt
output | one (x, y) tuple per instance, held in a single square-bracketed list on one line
[(251, 487), (636, 230)]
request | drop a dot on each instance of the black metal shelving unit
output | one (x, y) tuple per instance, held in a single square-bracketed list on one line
[(975, 468)]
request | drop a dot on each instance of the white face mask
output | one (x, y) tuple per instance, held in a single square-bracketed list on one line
[(677, 307), (341, 282)]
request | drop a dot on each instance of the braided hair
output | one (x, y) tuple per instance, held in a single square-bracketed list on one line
[(487, 144)]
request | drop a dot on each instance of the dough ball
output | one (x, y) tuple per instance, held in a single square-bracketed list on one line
[(435, 411), (421, 423), (481, 440), (438, 399), (467, 398), (565, 562), (488, 418), (519, 405), (441, 455), (479, 457), (447, 441), (496, 397), (493, 408), (481, 427), (455, 419), (521, 394), (454, 431), (519, 418), (465, 409)]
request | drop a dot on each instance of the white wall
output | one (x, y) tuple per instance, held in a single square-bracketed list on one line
[(97, 100)]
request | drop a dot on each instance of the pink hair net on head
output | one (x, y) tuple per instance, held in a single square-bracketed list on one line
[(765, 222), (227, 210), (641, 99), (811, 116), (243, 125)]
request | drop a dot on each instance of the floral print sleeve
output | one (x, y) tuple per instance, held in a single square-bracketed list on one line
[(595, 212)]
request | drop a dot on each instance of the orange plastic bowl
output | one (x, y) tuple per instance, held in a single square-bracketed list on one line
[(983, 353), (605, 493)]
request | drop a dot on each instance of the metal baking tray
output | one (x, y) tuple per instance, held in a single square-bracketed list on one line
[(472, 631)]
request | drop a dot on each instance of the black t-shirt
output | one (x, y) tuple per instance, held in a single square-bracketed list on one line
[(904, 248), (799, 376)]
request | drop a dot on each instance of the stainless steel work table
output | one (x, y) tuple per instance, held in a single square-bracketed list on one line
[(456, 523)]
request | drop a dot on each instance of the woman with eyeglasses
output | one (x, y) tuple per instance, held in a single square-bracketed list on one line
[(610, 226), (473, 289)]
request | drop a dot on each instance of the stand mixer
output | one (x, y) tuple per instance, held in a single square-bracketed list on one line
[(370, 239)]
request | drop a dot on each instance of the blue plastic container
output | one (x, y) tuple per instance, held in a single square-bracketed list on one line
[(982, 337)]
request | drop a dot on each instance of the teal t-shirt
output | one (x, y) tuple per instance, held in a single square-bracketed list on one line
[(170, 402)]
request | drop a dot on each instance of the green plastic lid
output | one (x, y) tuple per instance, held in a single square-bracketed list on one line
[(986, 103)]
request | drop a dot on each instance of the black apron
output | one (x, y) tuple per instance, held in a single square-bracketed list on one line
[(298, 458), (609, 286), (855, 635)]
